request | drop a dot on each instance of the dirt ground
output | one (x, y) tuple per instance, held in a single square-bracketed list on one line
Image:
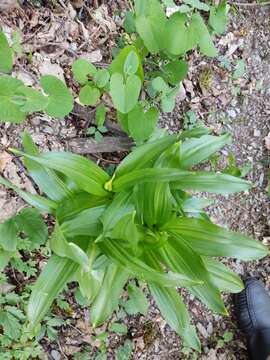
[(241, 106)]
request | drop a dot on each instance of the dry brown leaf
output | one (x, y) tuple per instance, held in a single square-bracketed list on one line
[(5, 158), (9, 4)]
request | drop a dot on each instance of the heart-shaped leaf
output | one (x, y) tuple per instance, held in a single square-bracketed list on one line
[(101, 78), (125, 94), (141, 124), (89, 95), (81, 69), (33, 99), (60, 101), (6, 54), (204, 39), (131, 64), (9, 109), (175, 71)]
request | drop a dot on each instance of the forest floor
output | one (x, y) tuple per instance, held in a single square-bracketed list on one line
[(229, 93)]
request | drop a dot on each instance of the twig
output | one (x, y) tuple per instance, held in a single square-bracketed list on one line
[(250, 4), (129, 3)]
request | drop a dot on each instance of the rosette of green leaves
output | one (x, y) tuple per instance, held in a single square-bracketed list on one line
[(141, 223)]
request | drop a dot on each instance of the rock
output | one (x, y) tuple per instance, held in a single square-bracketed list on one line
[(56, 355), (232, 113), (202, 330), (267, 141), (93, 57)]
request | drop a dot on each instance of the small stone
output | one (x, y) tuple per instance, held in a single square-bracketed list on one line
[(202, 330), (257, 133), (232, 113), (210, 328), (55, 355)]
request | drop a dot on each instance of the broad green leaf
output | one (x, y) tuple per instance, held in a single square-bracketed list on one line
[(6, 54), (240, 69), (85, 173), (168, 102), (204, 39), (211, 240), (129, 23), (153, 203), (119, 207), (141, 124), (100, 115), (197, 5), (180, 38), (219, 17), (126, 229), (5, 256), (61, 247), (194, 133), (8, 235), (53, 278), (123, 257), (11, 326), (70, 207), (124, 352), (108, 297), (123, 121), (101, 78), (60, 101), (181, 258), (39, 202), (159, 84), (175, 71), (137, 301), (9, 110), (33, 99), (223, 277), (46, 179), (90, 283), (194, 151), (117, 65), (181, 179), (175, 313), (131, 64), (118, 328), (87, 222), (82, 69), (150, 23), (89, 95), (144, 155), (193, 204), (30, 223), (125, 94)]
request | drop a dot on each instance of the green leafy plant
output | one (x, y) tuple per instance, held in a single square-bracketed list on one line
[(144, 77), (136, 224)]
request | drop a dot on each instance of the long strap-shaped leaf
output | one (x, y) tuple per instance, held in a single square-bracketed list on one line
[(175, 313), (144, 155), (85, 173), (173, 308), (139, 268), (39, 202), (180, 257), (70, 250), (211, 240), (86, 223), (110, 291), (185, 180), (46, 179), (224, 278), (193, 151), (56, 274)]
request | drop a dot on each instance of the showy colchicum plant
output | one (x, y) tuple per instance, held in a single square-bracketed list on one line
[(141, 223)]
